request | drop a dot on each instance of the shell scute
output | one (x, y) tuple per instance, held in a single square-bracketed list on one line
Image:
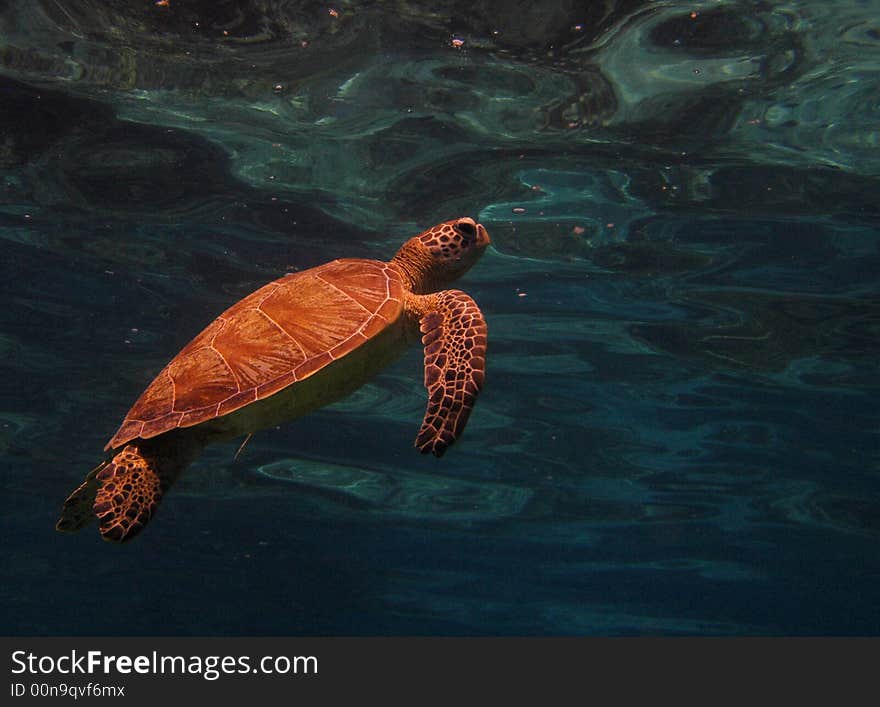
[(150, 428), (200, 379), (254, 346), (237, 401), (197, 415)]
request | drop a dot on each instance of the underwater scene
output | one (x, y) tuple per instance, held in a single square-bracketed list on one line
[(678, 430)]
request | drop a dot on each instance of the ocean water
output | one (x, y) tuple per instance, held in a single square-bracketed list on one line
[(678, 434)]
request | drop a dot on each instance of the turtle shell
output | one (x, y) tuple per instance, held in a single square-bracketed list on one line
[(281, 334)]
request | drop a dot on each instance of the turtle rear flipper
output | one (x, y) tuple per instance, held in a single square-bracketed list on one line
[(124, 492), (132, 484), (77, 513)]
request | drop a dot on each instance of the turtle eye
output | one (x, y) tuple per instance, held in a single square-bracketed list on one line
[(466, 229)]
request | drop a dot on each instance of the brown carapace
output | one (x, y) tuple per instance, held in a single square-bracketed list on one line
[(294, 345)]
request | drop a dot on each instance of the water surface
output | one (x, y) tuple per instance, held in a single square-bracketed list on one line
[(679, 429)]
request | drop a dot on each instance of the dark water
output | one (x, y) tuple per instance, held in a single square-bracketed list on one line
[(679, 431)]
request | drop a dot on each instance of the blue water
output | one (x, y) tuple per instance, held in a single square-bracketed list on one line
[(679, 430)]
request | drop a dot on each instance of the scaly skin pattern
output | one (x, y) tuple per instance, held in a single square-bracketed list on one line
[(457, 244), (455, 337), (128, 496)]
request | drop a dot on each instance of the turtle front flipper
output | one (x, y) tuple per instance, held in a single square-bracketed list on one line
[(454, 337)]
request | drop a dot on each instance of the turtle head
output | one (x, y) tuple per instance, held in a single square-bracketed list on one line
[(442, 254)]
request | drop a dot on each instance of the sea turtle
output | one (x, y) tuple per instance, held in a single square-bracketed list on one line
[(294, 345)]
